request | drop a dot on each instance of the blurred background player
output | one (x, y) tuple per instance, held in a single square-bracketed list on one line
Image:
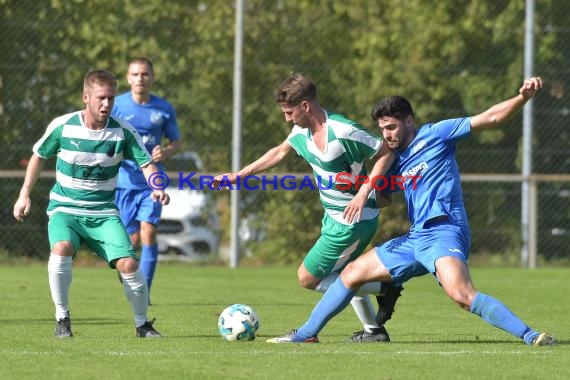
[(154, 118)]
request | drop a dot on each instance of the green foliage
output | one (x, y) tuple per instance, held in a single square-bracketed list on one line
[(450, 58), (431, 337)]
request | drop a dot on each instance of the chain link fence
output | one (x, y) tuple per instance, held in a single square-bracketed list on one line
[(450, 58)]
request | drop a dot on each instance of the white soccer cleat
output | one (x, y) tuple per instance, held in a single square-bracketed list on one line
[(544, 340)]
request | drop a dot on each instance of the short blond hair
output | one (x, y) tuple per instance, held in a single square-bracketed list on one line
[(99, 76)]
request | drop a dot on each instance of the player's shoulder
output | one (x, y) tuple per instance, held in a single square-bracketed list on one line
[(125, 97), (455, 127), (157, 101), (68, 118), (298, 131), (339, 119), (72, 118), (344, 127), (116, 122)]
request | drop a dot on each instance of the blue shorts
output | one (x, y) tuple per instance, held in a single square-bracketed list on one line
[(415, 254), (137, 206)]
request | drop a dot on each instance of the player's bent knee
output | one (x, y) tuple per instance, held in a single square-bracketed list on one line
[(127, 265), (352, 276), (461, 299), (63, 248)]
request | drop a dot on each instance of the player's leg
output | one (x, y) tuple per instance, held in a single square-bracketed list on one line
[(128, 203), (149, 216), (338, 245), (448, 250), (392, 261), (366, 268), (64, 243), (109, 240), (454, 277), (361, 305)]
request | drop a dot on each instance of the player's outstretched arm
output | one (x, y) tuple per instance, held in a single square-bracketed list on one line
[(24, 203), (504, 111), (270, 159)]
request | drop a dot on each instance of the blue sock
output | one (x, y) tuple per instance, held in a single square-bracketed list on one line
[(497, 314), (335, 299), (149, 258)]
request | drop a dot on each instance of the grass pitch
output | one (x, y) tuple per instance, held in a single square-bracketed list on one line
[(431, 337)]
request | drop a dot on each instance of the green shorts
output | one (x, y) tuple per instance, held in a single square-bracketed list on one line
[(104, 235), (338, 245)]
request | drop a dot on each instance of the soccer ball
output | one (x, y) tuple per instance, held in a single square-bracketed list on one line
[(238, 322)]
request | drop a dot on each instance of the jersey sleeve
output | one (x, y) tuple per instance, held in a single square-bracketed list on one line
[(361, 143), (134, 148), (50, 143), (171, 130), (453, 129)]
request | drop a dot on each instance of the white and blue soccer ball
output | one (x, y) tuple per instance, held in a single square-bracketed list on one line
[(238, 322)]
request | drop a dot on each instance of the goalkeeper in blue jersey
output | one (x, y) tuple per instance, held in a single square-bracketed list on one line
[(154, 119), (89, 146), (439, 238)]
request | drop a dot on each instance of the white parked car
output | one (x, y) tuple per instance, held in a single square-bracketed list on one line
[(189, 226)]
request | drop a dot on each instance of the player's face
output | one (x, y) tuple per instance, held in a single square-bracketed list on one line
[(297, 114), (140, 78), (395, 131), (99, 100)]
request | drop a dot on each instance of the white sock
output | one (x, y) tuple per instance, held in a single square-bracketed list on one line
[(369, 288), (136, 291), (360, 302), (326, 282), (364, 311), (59, 276)]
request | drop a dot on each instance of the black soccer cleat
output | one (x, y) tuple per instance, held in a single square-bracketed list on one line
[(147, 330), (378, 334), (387, 302), (63, 328)]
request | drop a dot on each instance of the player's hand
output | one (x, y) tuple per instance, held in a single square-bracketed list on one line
[(157, 153), (353, 211), (530, 87), (223, 179), (22, 208), (160, 196)]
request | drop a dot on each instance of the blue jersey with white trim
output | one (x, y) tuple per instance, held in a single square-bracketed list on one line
[(432, 184), (153, 121)]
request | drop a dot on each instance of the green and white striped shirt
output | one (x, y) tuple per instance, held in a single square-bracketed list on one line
[(348, 146), (87, 163)]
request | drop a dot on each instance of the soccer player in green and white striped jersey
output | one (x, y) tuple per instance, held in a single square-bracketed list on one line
[(89, 146), (333, 144)]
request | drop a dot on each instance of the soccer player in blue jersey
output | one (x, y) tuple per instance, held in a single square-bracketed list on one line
[(154, 119), (439, 238), (333, 144), (89, 146)]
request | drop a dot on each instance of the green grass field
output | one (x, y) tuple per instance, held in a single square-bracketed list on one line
[(431, 337)]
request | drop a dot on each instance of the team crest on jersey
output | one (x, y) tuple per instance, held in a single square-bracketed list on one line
[(111, 148), (156, 118), (419, 146)]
